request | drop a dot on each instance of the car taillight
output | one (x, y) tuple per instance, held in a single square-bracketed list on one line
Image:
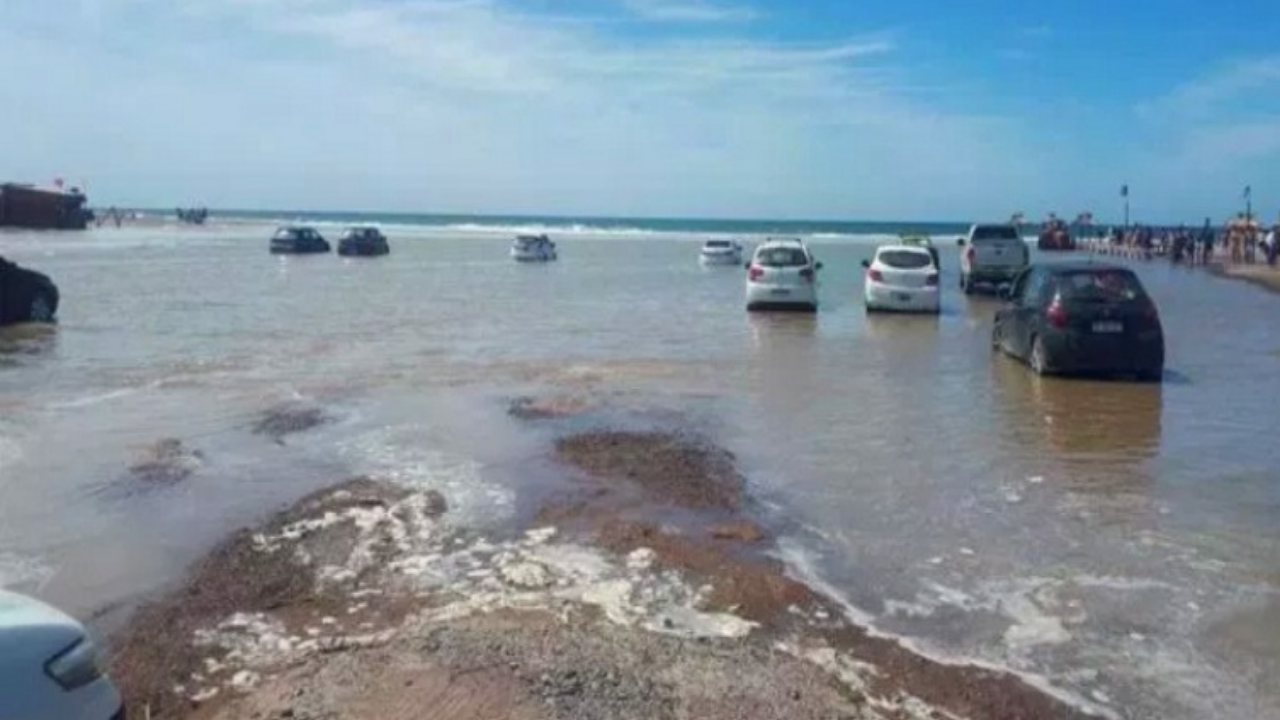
[(875, 275), (754, 273), (1149, 310), (807, 274), (932, 280), (1056, 313)]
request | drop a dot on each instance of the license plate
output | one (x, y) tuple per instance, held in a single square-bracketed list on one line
[(1108, 326), (902, 297), (779, 291)]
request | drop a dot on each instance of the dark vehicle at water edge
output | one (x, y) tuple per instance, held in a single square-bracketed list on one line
[(363, 242), (33, 208), (1081, 318), (298, 241), (26, 295)]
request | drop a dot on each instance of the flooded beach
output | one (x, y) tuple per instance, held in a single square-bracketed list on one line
[(1113, 542)]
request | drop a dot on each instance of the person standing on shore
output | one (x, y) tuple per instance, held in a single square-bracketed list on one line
[(1204, 244), (1273, 244)]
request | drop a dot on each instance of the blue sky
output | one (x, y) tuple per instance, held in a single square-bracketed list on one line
[(875, 109)]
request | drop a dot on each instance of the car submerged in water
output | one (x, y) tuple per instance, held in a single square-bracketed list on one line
[(363, 241), (902, 278), (991, 255), (298, 240), (782, 275), (26, 296), (1081, 318), (49, 666), (533, 248), (721, 252)]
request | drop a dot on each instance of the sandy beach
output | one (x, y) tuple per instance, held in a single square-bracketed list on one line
[(1267, 278), (647, 591)]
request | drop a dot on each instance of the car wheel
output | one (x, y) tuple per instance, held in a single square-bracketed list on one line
[(1037, 359), (41, 310)]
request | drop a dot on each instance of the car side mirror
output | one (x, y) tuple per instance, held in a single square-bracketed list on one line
[(866, 264), (960, 242), (817, 266)]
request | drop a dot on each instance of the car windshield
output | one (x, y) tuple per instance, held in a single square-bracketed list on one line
[(286, 234), (782, 257), (994, 232), (904, 259), (1100, 286)]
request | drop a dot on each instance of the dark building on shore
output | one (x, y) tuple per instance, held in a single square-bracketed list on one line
[(26, 206)]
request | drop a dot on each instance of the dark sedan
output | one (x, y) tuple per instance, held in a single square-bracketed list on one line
[(363, 242), (298, 241), (1081, 318), (26, 295)]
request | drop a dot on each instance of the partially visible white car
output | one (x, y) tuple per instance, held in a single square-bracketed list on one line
[(721, 252), (533, 248), (902, 278), (50, 669), (782, 275)]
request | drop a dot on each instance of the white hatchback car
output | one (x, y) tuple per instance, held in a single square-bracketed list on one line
[(902, 278), (782, 275), (50, 668)]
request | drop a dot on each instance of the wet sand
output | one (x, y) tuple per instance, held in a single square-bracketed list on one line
[(646, 590), (1267, 278)]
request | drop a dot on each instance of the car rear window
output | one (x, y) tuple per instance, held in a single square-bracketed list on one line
[(717, 243), (995, 232), (905, 259), (1100, 286), (782, 257)]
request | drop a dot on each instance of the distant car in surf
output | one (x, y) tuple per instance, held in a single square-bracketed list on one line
[(782, 275), (363, 241), (721, 252), (298, 240), (49, 666), (1055, 236), (533, 248), (902, 278), (26, 296), (1081, 318), (992, 255)]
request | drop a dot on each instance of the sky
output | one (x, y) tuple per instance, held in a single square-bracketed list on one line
[(822, 109)]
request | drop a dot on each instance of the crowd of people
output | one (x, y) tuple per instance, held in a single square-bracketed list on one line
[(1241, 241)]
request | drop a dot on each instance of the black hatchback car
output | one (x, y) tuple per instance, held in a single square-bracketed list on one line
[(363, 242), (1081, 318), (298, 241), (26, 295)]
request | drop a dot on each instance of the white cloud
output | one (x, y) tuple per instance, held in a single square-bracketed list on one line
[(471, 105), (689, 11)]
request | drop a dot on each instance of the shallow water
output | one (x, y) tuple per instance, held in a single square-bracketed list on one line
[(1118, 540)]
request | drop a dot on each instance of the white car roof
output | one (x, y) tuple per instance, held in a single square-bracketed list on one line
[(781, 242), (19, 612), (904, 248)]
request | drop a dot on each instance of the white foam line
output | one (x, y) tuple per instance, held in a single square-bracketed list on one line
[(90, 400), (797, 561)]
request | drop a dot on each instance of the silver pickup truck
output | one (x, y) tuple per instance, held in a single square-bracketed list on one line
[(992, 255)]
